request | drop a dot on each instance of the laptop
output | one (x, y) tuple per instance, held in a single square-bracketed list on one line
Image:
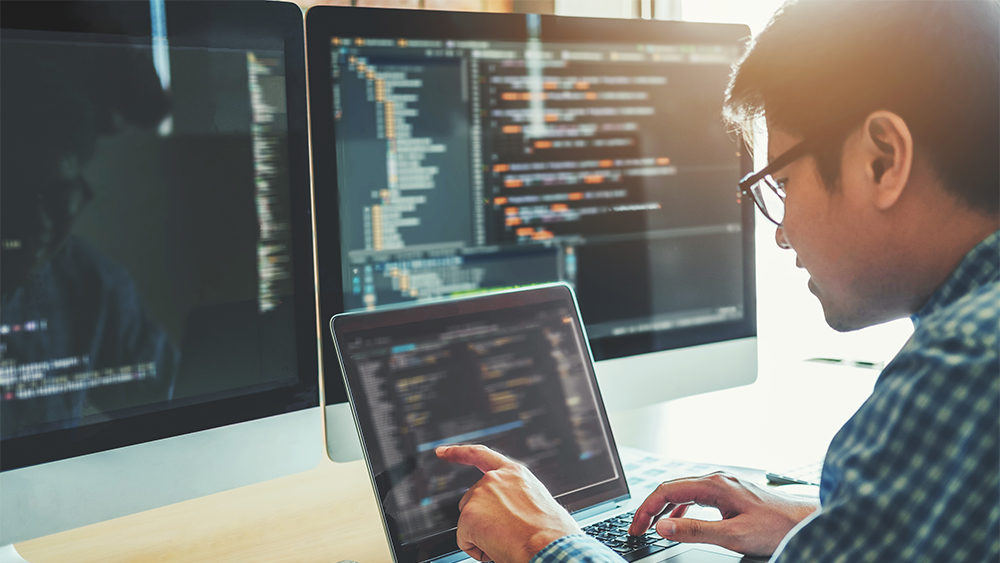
[(511, 370)]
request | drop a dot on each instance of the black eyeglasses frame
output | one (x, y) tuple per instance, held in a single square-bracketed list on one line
[(747, 183)]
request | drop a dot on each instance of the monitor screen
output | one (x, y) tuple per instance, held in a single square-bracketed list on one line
[(157, 252), (456, 153)]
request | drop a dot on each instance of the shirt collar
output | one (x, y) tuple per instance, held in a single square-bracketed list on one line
[(979, 267)]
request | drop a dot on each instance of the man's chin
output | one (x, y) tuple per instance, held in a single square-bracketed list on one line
[(843, 322), (836, 318)]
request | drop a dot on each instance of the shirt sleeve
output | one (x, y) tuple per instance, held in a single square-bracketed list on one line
[(576, 548)]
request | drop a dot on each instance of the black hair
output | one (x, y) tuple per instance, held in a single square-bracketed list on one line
[(821, 66)]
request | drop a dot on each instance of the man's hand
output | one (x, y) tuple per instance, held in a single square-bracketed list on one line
[(508, 515), (754, 520)]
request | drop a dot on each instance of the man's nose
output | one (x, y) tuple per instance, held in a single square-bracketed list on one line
[(780, 240)]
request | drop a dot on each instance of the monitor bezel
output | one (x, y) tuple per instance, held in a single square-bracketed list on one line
[(206, 24), (325, 22)]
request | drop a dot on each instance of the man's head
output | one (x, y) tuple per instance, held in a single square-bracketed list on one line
[(898, 104)]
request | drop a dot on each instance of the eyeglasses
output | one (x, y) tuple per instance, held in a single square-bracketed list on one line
[(767, 192)]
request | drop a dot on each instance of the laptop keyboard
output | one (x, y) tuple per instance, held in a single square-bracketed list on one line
[(613, 533)]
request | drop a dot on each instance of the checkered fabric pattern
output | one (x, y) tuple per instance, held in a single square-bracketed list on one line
[(913, 476), (577, 548)]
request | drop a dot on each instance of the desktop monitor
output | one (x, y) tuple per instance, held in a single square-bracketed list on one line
[(460, 152), (158, 326)]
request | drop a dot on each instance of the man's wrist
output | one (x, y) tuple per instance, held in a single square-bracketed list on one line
[(541, 539), (576, 546)]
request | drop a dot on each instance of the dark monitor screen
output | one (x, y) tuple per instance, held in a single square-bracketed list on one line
[(456, 153), (157, 252)]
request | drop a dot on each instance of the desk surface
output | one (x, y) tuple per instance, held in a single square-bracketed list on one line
[(325, 514)]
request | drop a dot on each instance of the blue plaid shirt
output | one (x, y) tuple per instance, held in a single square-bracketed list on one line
[(913, 475), (576, 548)]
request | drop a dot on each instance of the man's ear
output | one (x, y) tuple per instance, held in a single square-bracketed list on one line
[(888, 151)]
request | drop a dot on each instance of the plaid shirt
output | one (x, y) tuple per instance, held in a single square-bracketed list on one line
[(576, 548), (913, 475)]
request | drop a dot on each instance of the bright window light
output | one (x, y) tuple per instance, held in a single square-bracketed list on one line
[(754, 13)]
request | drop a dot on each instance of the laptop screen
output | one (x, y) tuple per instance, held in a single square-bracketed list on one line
[(509, 370)]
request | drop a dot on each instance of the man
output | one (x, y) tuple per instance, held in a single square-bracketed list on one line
[(882, 123)]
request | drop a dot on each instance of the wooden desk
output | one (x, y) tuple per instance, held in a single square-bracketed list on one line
[(325, 514)]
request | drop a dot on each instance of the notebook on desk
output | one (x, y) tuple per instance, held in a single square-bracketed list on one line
[(511, 370)]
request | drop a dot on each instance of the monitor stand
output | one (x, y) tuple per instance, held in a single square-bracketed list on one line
[(342, 442), (9, 554)]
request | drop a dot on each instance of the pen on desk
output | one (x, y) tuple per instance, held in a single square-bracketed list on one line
[(852, 363)]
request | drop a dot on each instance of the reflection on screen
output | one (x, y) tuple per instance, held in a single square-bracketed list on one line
[(472, 164), (515, 380), (145, 236)]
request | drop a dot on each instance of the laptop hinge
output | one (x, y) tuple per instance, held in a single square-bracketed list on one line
[(601, 508)]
